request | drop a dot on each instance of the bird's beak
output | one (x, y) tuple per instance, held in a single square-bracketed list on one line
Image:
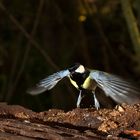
[(72, 72)]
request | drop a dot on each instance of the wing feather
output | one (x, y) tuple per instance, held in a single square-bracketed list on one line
[(48, 83), (120, 90)]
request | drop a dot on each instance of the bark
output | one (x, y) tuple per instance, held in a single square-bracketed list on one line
[(17, 122)]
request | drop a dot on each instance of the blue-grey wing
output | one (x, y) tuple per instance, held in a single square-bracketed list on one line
[(48, 83), (120, 90)]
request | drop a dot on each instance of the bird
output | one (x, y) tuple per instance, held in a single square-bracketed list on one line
[(83, 78)]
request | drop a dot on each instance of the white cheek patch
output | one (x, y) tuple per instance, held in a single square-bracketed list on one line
[(80, 69)]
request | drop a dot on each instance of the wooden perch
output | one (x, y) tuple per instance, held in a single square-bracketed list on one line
[(17, 123)]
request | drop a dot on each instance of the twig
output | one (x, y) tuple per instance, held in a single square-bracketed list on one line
[(133, 30), (106, 49), (12, 72), (132, 24), (26, 54), (32, 41)]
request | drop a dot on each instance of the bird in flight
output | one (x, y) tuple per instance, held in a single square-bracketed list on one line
[(82, 78)]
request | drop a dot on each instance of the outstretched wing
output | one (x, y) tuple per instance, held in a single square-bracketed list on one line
[(48, 83), (117, 88)]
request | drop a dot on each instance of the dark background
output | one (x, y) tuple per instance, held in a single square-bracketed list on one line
[(39, 37)]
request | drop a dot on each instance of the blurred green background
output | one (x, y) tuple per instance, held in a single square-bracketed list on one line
[(39, 37)]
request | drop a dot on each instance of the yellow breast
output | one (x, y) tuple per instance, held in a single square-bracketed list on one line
[(89, 84), (73, 83)]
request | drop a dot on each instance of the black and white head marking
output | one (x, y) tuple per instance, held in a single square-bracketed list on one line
[(77, 68)]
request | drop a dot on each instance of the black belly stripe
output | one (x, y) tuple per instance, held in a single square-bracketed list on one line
[(79, 78)]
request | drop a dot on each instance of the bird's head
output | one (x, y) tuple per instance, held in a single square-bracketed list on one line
[(77, 68)]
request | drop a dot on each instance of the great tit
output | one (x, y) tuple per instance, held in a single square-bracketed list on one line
[(120, 90)]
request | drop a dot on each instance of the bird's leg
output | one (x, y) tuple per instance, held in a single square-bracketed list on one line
[(79, 99), (96, 102)]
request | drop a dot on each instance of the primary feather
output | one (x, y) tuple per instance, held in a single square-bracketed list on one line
[(48, 83), (117, 88)]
